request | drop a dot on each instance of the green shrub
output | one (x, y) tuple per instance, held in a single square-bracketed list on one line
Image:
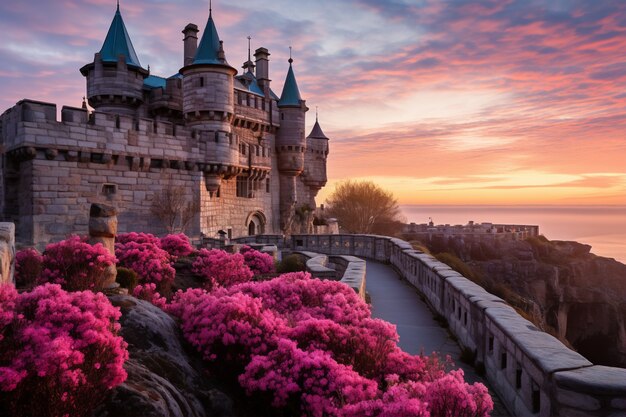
[(127, 278), (291, 263)]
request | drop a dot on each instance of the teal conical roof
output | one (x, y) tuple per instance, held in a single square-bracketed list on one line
[(291, 93), (208, 50), (118, 43)]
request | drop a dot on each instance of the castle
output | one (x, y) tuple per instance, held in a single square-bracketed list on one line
[(207, 140)]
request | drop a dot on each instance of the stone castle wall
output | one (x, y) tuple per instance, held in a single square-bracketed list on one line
[(532, 372), (54, 170)]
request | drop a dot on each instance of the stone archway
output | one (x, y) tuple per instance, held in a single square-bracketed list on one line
[(255, 222)]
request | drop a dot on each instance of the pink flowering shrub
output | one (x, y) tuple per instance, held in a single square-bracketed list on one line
[(138, 238), (258, 262), (319, 384), (177, 245), (311, 348), (226, 327), (28, 266), (148, 260), (451, 396), (220, 268), (60, 351), (76, 265), (149, 293)]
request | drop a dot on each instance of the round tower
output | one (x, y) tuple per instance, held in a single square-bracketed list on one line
[(290, 140), (115, 77), (314, 175), (208, 106), (290, 147)]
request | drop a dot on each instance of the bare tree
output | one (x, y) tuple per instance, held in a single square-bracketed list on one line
[(364, 207), (173, 208)]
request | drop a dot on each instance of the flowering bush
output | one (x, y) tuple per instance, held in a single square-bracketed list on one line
[(148, 260), (258, 262), (220, 268), (321, 385), (60, 351), (76, 265), (312, 348), (177, 245), (228, 327), (149, 293), (28, 266), (138, 238)]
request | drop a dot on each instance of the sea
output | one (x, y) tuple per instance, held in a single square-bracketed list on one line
[(602, 227)]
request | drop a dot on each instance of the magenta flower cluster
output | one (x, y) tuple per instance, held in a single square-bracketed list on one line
[(311, 348), (259, 263), (75, 264), (149, 293), (59, 351), (177, 245), (28, 266), (220, 268), (142, 253)]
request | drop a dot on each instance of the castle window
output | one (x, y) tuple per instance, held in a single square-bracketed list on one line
[(117, 122), (137, 125), (155, 126), (201, 81), (243, 149), (243, 187), (257, 150), (267, 185), (108, 190), (217, 137), (218, 194), (282, 116)]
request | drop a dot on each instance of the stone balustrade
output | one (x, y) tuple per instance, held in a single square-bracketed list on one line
[(533, 372), (347, 269)]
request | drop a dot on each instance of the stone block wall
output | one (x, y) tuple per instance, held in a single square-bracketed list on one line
[(53, 170), (533, 372)]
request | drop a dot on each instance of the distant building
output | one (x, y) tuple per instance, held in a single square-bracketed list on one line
[(488, 231), (234, 146)]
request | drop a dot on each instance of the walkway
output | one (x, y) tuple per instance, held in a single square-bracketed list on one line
[(397, 301)]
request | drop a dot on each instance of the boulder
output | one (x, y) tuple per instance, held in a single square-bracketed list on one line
[(164, 380)]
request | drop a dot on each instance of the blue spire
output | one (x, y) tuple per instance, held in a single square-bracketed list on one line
[(118, 43), (291, 93), (208, 51)]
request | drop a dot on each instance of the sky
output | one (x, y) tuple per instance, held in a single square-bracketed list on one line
[(439, 101)]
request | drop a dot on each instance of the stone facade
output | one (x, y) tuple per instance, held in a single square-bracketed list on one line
[(211, 135)]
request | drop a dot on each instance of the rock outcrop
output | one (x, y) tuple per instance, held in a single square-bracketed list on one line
[(562, 286), (163, 379)]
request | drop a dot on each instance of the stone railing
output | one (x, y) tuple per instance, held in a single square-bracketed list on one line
[(532, 372), (347, 269)]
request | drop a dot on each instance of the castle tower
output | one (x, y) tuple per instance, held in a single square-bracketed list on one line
[(208, 106), (290, 145), (115, 77), (314, 175)]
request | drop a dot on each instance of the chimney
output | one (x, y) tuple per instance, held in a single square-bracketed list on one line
[(191, 43), (263, 69)]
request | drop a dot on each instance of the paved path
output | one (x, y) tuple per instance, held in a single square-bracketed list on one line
[(397, 301)]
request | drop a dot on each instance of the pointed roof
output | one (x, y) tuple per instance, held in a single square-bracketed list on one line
[(209, 48), (118, 43), (317, 133), (291, 93)]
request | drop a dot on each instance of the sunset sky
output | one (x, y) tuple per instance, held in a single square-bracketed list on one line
[(441, 102)]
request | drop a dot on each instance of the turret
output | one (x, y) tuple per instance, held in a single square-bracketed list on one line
[(290, 140), (290, 146), (208, 106), (314, 175), (115, 77)]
